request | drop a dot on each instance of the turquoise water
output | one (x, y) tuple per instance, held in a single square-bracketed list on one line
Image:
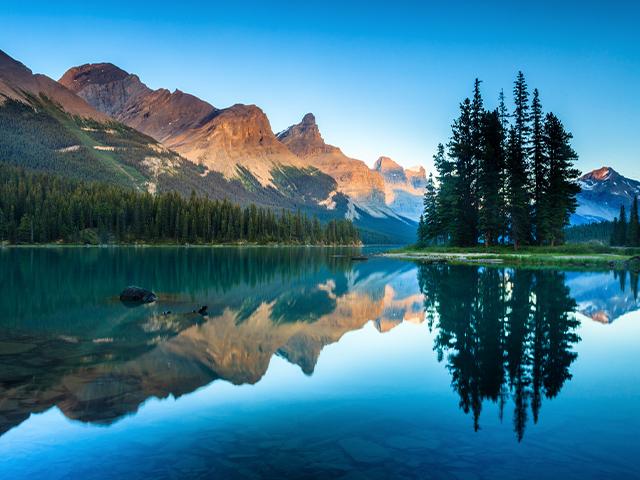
[(311, 365)]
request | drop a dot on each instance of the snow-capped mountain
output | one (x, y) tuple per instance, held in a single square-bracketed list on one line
[(603, 191)]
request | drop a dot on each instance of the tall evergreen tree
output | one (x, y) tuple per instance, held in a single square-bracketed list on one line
[(518, 166), (559, 200), (463, 155), (446, 200), (517, 193), (540, 168), (491, 213), (430, 215)]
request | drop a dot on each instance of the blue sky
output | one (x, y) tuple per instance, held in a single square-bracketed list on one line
[(382, 78)]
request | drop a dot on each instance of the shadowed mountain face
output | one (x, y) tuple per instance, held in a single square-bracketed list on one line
[(603, 192)]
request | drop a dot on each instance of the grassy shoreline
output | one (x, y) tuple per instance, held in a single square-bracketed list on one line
[(566, 256)]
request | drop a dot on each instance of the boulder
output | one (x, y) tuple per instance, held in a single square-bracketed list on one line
[(133, 294)]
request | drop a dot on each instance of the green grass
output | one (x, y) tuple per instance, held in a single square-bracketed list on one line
[(575, 256)]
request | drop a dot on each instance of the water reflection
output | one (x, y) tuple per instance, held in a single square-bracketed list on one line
[(506, 336), (505, 333)]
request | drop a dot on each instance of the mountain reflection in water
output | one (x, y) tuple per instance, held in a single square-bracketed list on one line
[(506, 336)]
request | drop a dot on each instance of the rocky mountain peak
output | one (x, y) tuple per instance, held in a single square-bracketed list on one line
[(78, 77), (386, 164), (304, 138), (121, 95), (16, 79), (601, 174)]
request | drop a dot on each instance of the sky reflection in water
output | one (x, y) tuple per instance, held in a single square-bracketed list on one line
[(479, 370)]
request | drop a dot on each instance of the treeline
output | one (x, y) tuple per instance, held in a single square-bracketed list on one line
[(41, 208), (598, 232), (503, 178), (626, 233)]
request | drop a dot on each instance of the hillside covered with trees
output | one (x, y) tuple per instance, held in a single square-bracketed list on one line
[(43, 208), (503, 178)]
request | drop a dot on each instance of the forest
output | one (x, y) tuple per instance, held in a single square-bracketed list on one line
[(503, 178), (43, 208)]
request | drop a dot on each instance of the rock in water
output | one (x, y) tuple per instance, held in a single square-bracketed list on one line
[(133, 294)]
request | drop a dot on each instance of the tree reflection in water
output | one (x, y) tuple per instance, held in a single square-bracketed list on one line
[(504, 333)]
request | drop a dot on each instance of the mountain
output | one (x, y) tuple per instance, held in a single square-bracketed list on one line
[(231, 141), (123, 97), (238, 143), (17, 82), (404, 188), (102, 123), (45, 126), (364, 186), (603, 191)]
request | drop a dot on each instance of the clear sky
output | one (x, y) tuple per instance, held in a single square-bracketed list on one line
[(382, 78)]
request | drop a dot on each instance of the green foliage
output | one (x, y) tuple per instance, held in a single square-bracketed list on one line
[(41, 208), (597, 233)]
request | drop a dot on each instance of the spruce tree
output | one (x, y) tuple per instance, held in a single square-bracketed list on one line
[(491, 212), (518, 187), (447, 201), (430, 214), (558, 199), (540, 168), (463, 156)]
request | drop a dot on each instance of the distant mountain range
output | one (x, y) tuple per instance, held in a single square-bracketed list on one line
[(603, 191), (99, 122)]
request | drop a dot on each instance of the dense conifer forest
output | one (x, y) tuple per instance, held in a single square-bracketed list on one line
[(623, 231), (504, 178), (42, 208)]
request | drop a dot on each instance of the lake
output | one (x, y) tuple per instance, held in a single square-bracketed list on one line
[(311, 365)]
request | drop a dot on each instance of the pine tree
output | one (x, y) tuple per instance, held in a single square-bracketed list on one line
[(463, 155), (446, 199), (558, 199), (430, 213), (518, 187), (540, 168), (491, 211)]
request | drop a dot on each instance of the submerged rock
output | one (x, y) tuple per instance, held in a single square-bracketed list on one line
[(133, 294)]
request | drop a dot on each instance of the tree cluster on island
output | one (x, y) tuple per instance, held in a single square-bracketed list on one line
[(504, 178), (42, 208)]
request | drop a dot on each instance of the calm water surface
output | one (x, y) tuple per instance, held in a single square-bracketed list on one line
[(311, 365)]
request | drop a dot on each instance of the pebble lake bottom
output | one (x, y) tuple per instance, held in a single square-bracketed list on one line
[(311, 365)]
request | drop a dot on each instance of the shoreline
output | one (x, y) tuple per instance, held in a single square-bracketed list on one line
[(606, 261)]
